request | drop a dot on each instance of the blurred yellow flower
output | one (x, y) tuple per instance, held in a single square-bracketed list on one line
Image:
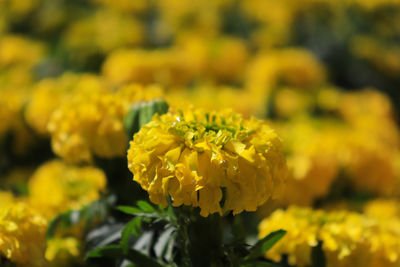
[(56, 187), (294, 67), (22, 233), (192, 156), (11, 47), (348, 238), (92, 124), (119, 31), (311, 150), (49, 94)]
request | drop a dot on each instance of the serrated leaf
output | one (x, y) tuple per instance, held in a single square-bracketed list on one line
[(263, 245), (131, 228), (129, 210), (145, 206)]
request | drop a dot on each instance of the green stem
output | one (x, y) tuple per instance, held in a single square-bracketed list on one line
[(183, 239)]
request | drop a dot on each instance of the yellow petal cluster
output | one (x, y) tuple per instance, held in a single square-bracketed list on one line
[(22, 233), (311, 153), (119, 31), (57, 187), (50, 93), (348, 238), (200, 158), (92, 123)]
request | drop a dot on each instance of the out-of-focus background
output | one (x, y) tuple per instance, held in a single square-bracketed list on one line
[(324, 73)]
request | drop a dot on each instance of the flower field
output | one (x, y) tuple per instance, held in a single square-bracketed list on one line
[(162, 133)]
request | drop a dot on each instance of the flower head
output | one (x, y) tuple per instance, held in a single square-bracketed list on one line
[(194, 156), (348, 238), (58, 187), (92, 123), (22, 232)]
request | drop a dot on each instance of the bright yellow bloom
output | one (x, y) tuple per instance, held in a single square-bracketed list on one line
[(288, 67), (10, 51), (383, 208), (50, 93), (169, 67), (119, 31), (92, 124), (349, 238), (218, 97), (22, 233), (192, 156), (311, 153), (58, 187)]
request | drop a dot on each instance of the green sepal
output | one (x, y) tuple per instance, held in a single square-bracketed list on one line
[(142, 113)]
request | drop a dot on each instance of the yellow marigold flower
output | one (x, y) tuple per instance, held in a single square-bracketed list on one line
[(5, 198), (49, 94), (169, 67), (348, 238), (227, 59), (218, 97), (119, 31), (384, 208), (92, 124), (311, 150), (125, 6), (22, 233), (10, 51), (192, 156), (58, 187), (290, 67)]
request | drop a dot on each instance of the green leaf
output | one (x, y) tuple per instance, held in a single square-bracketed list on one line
[(141, 259), (259, 264), (263, 245), (62, 221), (129, 210), (116, 252), (132, 227), (111, 251), (145, 206)]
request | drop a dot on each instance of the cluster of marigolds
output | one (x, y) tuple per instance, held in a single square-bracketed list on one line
[(261, 119)]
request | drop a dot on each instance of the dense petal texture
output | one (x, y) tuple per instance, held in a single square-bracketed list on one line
[(213, 160), (348, 238)]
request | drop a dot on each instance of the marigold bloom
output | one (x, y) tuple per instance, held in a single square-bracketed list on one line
[(50, 93), (58, 187), (92, 124), (22, 233), (311, 151), (348, 238), (192, 156)]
